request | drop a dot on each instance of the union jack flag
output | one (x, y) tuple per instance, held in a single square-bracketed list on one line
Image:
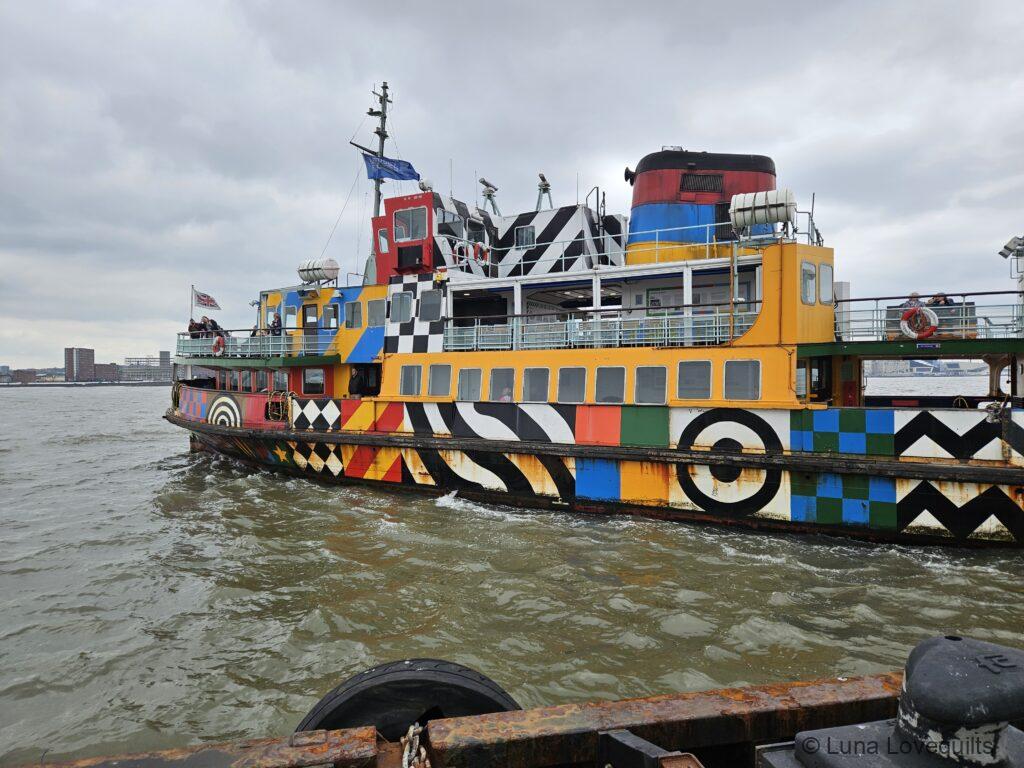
[(204, 300)]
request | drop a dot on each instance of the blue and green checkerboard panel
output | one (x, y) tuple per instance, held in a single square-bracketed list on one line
[(831, 499), (867, 431)]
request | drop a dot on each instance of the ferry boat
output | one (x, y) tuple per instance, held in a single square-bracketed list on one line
[(695, 360)]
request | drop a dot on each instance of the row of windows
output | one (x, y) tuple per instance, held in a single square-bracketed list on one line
[(816, 283), (376, 314), (742, 381), (253, 381)]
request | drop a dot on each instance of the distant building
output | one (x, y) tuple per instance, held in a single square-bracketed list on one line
[(147, 368), (26, 376), (108, 372), (79, 364), (4, 370)]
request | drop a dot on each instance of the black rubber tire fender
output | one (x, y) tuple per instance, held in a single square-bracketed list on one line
[(393, 696)]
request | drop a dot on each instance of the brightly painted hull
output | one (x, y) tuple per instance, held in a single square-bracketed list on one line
[(731, 466)]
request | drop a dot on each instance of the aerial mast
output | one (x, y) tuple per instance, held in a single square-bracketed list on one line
[(382, 134)]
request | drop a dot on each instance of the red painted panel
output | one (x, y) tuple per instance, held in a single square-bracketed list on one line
[(360, 462), (390, 418), (663, 186), (598, 424)]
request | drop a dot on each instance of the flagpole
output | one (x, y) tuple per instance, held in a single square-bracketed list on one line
[(191, 301)]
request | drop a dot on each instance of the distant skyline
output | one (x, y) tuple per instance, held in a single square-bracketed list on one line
[(147, 147)]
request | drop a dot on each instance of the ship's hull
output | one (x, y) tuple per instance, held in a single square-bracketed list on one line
[(927, 503)]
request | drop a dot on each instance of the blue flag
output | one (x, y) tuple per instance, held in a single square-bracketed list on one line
[(389, 168)]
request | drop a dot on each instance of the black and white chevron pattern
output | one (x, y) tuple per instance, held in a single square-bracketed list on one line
[(992, 507), (540, 422), (959, 435)]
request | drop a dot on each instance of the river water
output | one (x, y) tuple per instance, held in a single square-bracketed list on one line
[(150, 598)]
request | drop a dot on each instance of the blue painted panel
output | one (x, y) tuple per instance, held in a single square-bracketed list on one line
[(645, 218), (826, 421), (597, 479), (853, 442), (855, 511), (830, 486), (801, 440), (803, 509), (881, 422), (368, 347), (882, 489)]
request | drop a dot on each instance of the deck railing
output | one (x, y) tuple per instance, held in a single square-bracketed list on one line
[(240, 344), (982, 315), (707, 325)]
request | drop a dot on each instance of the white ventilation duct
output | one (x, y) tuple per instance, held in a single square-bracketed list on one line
[(775, 206), (317, 270)]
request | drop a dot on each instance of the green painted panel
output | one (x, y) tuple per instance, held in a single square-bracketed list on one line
[(645, 425)]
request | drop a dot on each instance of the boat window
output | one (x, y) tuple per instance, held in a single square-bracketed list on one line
[(808, 291), (271, 311), (246, 381), (234, 381), (611, 385), (439, 380), (526, 237), (410, 380), (825, 283), (281, 381), (410, 224), (330, 316), (535, 385), (650, 385), (353, 314), (376, 313), (401, 307), (475, 230), (261, 381), (694, 380), (742, 380), (469, 384), (430, 306), (290, 314), (503, 381), (308, 315), (572, 385), (382, 240), (312, 381)]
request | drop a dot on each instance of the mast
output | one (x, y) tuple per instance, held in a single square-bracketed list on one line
[(382, 134)]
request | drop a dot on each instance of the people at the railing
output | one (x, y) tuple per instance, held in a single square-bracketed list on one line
[(275, 325), (940, 300), (195, 330), (913, 301), (356, 382)]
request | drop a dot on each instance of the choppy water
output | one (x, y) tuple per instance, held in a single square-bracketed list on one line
[(151, 598)]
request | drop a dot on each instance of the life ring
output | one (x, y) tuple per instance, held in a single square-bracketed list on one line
[(480, 253), (919, 323), (218, 346)]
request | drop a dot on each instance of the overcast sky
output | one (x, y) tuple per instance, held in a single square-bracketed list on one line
[(148, 146)]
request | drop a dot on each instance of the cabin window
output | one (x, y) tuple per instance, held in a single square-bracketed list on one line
[(246, 381), (475, 231), (808, 290), (535, 385), (234, 381), (410, 224), (271, 311), (742, 380), (309, 316), (430, 306), (526, 237), (353, 314), (261, 381), (376, 313), (650, 385), (281, 381), (611, 385), (312, 381), (401, 307), (503, 381), (290, 313), (694, 380), (469, 384), (410, 380), (439, 380), (572, 385), (330, 316), (382, 240), (825, 284)]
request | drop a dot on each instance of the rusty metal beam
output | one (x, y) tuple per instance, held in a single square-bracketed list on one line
[(352, 748), (568, 733)]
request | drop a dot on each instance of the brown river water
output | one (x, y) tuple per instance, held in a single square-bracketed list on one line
[(150, 598)]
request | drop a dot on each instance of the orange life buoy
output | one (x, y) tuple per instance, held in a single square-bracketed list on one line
[(919, 322), (218, 346)]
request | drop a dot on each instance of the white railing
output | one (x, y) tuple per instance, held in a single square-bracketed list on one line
[(246, 346), (969, 316), (621, 329)]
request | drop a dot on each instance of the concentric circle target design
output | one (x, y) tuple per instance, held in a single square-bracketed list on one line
[(722, 492), (224, 412)]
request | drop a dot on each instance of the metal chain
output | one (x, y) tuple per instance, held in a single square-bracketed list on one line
[(414, 755)]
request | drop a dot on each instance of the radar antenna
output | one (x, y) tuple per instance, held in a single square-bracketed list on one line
[(489, 191), (543, 188)]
